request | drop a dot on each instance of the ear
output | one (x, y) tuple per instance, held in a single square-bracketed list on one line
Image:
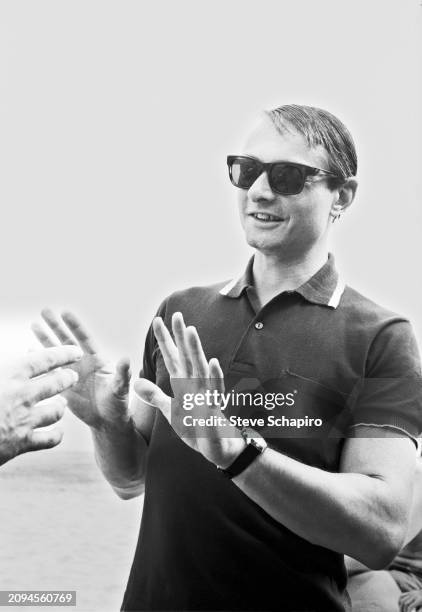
[(346, 195)]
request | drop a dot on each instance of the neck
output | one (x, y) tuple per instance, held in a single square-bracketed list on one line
[(274, 272)]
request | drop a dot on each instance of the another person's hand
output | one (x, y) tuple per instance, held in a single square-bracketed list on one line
[(411, 601), (23, 385), (100, 399), (190, 372)]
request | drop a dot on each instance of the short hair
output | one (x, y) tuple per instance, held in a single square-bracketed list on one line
[(319, 127)]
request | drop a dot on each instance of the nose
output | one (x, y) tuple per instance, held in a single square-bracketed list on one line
[(260, 190)]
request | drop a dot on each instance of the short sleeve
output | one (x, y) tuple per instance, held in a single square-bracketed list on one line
[(390, 395), (151, 348)]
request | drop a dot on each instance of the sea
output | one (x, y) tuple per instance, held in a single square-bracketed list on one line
[(63, 528)]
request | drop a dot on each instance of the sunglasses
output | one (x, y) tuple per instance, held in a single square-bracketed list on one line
[(285, 178)]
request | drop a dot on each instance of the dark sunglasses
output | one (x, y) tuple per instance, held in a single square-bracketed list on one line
[(286, 178)]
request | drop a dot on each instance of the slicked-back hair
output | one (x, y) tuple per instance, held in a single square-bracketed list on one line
[(319, 127)]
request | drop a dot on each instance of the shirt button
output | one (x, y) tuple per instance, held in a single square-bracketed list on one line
[(259, 325)]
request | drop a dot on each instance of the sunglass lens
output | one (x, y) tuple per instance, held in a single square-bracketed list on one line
[(244, 172), (287, 180)]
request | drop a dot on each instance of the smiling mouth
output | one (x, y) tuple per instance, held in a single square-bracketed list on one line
[(265, 217)]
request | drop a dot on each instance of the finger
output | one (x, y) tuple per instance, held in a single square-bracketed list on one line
[(403, 604), (216, 375), (41, 439), (48, 412), (121, 379), (57, 326), (179, 332), (215, 368), (49, 385), (151, 394), (42, 361), (80, 333), (167, 347), (42, 335), (406, 603), (199, 361)]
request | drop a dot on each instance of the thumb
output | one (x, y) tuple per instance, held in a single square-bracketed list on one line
[(121, 378), (152, 395)]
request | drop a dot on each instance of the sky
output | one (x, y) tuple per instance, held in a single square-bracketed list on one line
[(115, 122)]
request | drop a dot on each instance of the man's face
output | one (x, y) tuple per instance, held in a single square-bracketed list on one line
[(302, 220)]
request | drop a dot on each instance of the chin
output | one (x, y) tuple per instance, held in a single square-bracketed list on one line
[(264, 245), (283, 249)]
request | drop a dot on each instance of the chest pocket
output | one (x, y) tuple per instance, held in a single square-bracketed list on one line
[(302, 418), (318, 400)]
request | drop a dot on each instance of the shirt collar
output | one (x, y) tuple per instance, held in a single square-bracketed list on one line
[(325, 287)]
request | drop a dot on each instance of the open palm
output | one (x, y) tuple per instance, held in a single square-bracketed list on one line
[(100, 396)]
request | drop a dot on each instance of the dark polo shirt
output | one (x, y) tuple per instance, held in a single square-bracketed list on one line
[(203, 544)]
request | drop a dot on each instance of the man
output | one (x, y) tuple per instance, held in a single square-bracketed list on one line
[(272, 535), (23, 385)]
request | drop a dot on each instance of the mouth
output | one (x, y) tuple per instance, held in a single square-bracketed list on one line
[(265, 217)]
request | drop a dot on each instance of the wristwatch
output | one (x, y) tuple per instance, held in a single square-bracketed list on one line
[(255, 446)]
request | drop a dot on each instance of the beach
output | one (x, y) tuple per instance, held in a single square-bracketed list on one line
[(63, 528)]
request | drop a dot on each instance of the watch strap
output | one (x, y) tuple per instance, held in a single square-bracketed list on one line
[(251, 451)]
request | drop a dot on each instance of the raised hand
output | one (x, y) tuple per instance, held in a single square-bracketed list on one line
[(191, 373), (100, 398), (411, 601), (23, 385)]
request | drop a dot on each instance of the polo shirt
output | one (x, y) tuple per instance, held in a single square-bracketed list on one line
[(203, 543)]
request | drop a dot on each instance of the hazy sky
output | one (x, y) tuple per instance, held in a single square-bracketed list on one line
[(115, 120)]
